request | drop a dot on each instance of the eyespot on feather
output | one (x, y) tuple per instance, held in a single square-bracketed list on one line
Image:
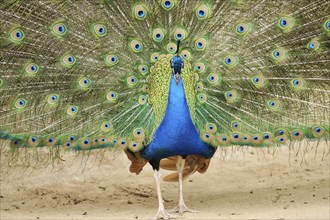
[(111, 59), (52, 99), (16, 35), (140, 12), (136, 46), (58, 29), (20, 103), (112, 96), (31, 69), (72, 110), (203, 12)]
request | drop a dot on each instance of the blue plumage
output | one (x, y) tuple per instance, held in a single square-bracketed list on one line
[(177, 134)]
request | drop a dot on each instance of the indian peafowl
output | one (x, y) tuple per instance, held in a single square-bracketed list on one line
[(164, 78)]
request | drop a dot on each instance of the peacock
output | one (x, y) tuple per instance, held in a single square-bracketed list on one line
[(166, 81)]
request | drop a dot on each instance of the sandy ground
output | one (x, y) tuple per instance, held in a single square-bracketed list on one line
[(241, 183)]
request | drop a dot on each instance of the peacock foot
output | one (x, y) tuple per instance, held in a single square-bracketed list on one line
[(164, 214), (181, 208)]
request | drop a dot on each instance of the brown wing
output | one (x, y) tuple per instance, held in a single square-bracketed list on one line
[(193, 163), (137, 162)]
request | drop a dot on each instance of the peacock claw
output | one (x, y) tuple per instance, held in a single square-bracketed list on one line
[(164, 214), (181, 208)]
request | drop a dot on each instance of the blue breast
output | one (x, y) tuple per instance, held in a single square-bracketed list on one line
[(176, 134)]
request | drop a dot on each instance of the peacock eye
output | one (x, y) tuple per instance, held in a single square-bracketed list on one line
[(142, 99), (31, 69), (167, 4), (72, 110), (158, 34), (317, 130), (138, 133), (240, 28), (131, 81), (99, 30), (266, 136), (17, 35), (298, 84), (112, 96), (311, 45), (255, 138), (33, 139), (106, 126), (201, 98), (58, 29), (140, 12), (273, 104), (111, 60), (20, 103), (68, 144), (213, 78), (86, 141), (276, 53), (84, 82), (72, 138), (200, 44), (283, 22), (136, 46), (68, 60), (61, 28), (231, 96), (230, 61), (200, 67), (314, 45), (328, 25), (52, 99), (201, 13)]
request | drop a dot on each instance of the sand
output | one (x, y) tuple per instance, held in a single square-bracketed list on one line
[(241, 183)]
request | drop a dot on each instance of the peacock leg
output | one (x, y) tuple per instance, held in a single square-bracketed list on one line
[(181, 207), (162, 212)]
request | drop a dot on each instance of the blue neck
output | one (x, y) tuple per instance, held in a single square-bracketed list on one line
[(176, 134)]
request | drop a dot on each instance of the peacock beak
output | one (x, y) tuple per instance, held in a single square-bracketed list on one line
[(177, 78)]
